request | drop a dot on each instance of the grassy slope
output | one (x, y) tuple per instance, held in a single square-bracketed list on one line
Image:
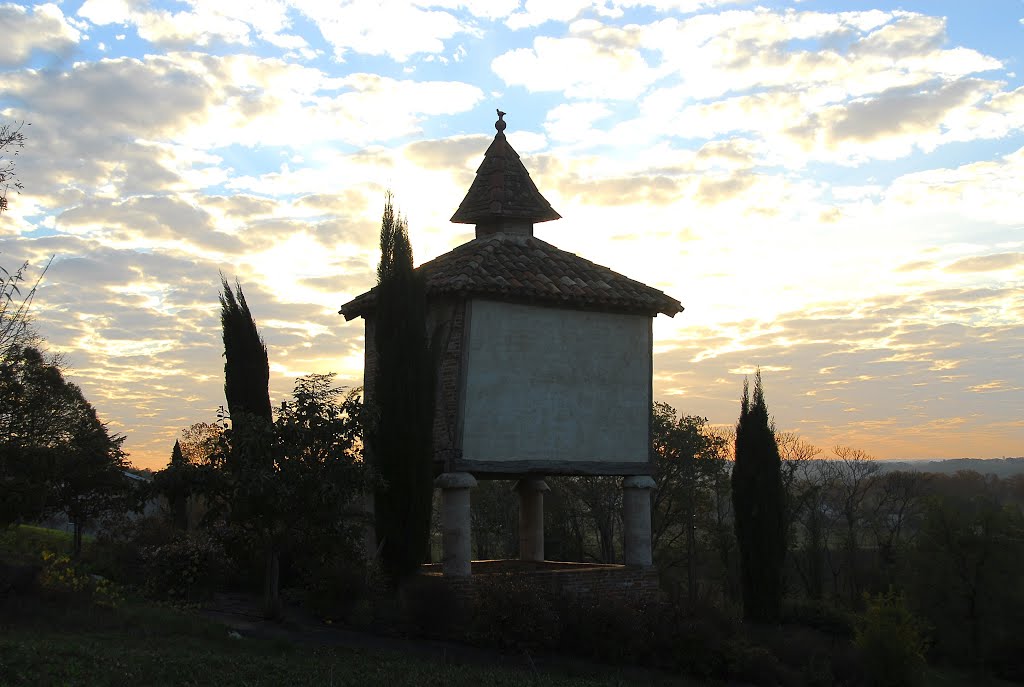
[(53, 642), (60, 639), (25, 543)]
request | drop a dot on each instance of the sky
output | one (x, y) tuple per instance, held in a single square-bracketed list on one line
[(832, 190)]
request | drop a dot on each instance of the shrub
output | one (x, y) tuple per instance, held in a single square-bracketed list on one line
[(817, 657), (61, 577), (610, 630), (891, 643), (432, 608), (188, 568), (117, 551), (509, 612), (749, 663), (17, 578), (821, 616), (333, 589), (691, 642)]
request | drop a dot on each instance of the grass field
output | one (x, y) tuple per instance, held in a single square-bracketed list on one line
[(52, 642), (25, 543), (49, 638), (61, 638)]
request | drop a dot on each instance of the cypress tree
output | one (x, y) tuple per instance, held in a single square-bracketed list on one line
[(758, 504), (401, 438), (253, 480), (176, 486), (246, 367)]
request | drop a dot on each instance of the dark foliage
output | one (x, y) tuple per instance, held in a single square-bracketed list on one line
[(55, 453), (288, 485), (759, 505), (965, 580), (176, 483), (400, 435), (246, 366)]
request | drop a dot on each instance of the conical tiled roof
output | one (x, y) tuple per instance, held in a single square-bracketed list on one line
[(503, 190), (506, 262), (523, 268)]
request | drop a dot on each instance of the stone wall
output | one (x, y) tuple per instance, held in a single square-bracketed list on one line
[(582, 581), (446, 324)]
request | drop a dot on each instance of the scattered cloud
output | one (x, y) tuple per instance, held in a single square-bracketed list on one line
[(725, 152), (41, 28), (987, 263)]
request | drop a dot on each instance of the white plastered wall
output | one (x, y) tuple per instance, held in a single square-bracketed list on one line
[(548, 384)]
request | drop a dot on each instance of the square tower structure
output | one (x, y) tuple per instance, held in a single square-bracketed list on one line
[(545, 365)]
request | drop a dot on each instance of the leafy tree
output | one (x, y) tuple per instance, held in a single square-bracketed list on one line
[(11, 139), (759, 508), (89, 470), (688, 462), (401, 435), (34, 413), (55, 454), (198, 441), (856, 476), (814, 520), (16, 330), (592, 506), (965, 576), (289, 484), (493, 520), (278, 479)]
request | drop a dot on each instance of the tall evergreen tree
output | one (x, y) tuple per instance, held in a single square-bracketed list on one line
[(758, 505), (246, 368), (176, 483), (250, 476), (401, 439)]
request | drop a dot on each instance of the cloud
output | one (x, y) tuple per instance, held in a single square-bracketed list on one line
[(839, 87), (571, 122), (593, 62), (448, 153), (44, 28), (987, 263), (537, 12), (393, 28), (713, 190), (905, 112), (200, 23), (900, 370), (980, 191)]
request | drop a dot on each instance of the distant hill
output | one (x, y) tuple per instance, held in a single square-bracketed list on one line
[(1001, 467)]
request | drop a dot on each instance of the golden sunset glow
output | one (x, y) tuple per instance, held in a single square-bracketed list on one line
[(832, 191)]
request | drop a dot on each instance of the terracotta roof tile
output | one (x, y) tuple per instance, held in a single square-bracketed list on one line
[(524, 268), (503, 189)]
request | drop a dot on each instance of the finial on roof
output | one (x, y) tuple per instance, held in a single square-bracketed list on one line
[(502, 197)]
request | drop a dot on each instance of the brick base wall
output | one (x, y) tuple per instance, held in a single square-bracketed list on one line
[(582, 581)]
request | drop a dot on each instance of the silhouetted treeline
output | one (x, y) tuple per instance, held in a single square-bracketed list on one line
[(951, 544)]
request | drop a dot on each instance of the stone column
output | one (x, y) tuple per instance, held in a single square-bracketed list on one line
[(456, 542), (636, 520), (531, 518)]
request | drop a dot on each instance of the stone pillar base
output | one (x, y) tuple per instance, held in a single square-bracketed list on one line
[(456, 542), (531, 518), (636, 520)]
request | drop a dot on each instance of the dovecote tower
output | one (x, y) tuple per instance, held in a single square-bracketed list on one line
[(545, 365)]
